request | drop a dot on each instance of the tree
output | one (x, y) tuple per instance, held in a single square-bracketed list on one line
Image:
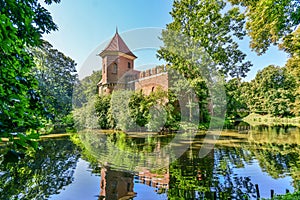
[(22, 24), (86, 117), (273, 92), (200, 42), (102, 106), (119, 110), (203, 29), (291, 45), (86, 103), (56, 76), (86, 89), (269, 21), (139, 106), (236, 101)]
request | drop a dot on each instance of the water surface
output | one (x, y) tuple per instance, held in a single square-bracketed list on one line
[(107, 165)]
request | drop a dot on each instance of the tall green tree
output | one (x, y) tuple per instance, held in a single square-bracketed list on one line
[(202, 27), (139, 106), (22, 24), (202, 40), (56, 75), (272, 92)]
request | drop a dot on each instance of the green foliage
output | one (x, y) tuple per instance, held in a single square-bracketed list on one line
[(86, 116), (269, 21), (173, 112), (236, 102), (139, 106), (22, 24), (69, 123), (136, 111), (38, 174), (160, 110), (273, 91), (55, 73), (185, 44), (102, 106), (154, 112), (291, 45), (86, 89), (87, 106), (204, 56), (289, 196), (127, 110)]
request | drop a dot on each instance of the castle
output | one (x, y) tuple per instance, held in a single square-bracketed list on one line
[(118, 71)]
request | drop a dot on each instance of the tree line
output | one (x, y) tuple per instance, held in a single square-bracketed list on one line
[(202, 39)]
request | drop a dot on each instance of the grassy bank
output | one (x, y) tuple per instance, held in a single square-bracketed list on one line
[(255, 120)]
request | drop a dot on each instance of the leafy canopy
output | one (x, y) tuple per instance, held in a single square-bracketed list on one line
[(22, 24), (269, 21)]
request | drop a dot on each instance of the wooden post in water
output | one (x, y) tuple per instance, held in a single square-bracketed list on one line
[(215, 195), (272, 194), (257, 191), (287, 191)]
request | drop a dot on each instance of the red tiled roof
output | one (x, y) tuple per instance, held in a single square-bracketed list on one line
[(117, 44)]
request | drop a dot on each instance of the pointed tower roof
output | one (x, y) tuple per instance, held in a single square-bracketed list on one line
[(117, 44)]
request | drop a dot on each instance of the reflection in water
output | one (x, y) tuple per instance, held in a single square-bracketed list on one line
[(116, 185), (154, 179), (40, 175), (135, 166), (222, 174)]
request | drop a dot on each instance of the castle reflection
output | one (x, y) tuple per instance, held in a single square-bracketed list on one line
[(119, 185), (115, 185)]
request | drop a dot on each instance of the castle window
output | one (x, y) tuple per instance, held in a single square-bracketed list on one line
[(129, 66), (152, 89), (115, 68)]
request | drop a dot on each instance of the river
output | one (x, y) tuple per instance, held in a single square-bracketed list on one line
[(233, 164)]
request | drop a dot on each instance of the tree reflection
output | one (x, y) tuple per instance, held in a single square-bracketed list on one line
[(210, 177), (277, 151), (191, 177), (124, 152), (40, 175)]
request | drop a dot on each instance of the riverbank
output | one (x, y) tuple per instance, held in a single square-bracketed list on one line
[(255, 120), (57, 135)]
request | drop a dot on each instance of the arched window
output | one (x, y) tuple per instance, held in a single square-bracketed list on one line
[(152, 89), (115, 68)]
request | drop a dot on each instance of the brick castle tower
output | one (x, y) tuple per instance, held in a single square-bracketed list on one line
[(118, 71), (117, 59)]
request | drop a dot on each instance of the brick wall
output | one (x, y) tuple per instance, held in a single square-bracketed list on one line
[(151, 83)]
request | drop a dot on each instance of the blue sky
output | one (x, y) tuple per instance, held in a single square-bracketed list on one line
[(85, 26)]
